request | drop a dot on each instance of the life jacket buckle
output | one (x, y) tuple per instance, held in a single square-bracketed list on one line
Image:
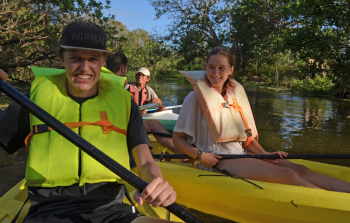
[(37, 129), (249, 132)]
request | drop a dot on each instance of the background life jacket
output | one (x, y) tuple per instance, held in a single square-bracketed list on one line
[(135, 95), (227, 121), (53, 160)]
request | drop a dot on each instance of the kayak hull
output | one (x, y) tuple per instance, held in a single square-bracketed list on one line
[(161, 115), (166, 118), (241, 201)]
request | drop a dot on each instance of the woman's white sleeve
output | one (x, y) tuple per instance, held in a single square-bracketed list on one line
[(187, 120)]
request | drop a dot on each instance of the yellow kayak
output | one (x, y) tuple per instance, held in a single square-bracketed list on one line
[(241, 201), (12, 201), (230, 198)]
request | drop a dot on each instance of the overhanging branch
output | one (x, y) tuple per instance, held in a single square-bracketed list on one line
[(27, 63)]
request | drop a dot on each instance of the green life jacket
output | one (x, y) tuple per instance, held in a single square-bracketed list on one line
[(53, 160)]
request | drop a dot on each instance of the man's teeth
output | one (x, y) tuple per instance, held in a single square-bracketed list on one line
[(85, 77)]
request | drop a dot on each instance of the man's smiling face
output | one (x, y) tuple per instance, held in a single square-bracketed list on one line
[(83, 68)]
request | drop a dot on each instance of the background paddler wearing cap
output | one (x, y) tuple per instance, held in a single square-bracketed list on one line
[(144, 71)]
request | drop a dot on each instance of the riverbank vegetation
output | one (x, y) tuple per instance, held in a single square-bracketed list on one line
[(276, 40), (300, 45)]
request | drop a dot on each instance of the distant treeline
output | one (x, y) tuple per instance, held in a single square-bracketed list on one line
[(292, 43), (281, 41)]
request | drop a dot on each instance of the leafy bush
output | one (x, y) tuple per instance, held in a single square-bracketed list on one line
[(318, 85)]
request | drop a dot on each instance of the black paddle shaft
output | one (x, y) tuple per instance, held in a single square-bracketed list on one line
[(168, 135), (89, 148), (264, 156)]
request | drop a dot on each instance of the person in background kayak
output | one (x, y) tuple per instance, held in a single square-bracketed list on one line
[(216, 117), (141, 93), (64, 184), (117, 63)]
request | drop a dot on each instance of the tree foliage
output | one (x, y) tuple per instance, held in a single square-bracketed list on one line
[(271, 38), (30, 30), (143, 50), (323, 37), (198, 25), (261, 32)]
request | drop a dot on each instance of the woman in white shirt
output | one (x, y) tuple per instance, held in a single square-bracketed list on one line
[(192, 129)]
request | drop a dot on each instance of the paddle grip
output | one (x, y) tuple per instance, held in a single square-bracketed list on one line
[(88, 148)]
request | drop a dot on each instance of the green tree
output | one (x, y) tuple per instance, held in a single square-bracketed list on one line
[(259, 25), (30, 30), (197, 25), (322, 38), (314, 31), (143, 50)]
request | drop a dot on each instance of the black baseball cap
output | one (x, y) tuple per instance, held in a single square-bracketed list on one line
[(84, 35)]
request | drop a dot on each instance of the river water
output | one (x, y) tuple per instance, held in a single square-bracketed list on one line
[(293, 124)]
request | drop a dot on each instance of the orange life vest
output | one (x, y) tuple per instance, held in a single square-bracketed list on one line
[(135, 95), (230, 120)]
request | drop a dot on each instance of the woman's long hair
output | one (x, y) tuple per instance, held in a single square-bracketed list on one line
[(226, 53)]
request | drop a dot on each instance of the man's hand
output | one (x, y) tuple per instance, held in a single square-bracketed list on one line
[(161, 109), (158, 193), (157, 100), (144, 111)]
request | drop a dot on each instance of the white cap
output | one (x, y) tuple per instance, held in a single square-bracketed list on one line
[(144, 70)]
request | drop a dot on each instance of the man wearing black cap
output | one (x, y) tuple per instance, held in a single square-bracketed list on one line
[(65, 184)]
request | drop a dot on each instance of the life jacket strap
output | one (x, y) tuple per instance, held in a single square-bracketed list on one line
[(106, 125), (240, 110)]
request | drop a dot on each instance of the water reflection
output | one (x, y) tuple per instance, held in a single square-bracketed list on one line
[(301, 125)]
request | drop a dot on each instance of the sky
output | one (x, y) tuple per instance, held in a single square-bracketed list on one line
[(137, 14)]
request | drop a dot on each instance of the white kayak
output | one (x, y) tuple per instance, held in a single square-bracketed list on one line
[(161, 115)]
